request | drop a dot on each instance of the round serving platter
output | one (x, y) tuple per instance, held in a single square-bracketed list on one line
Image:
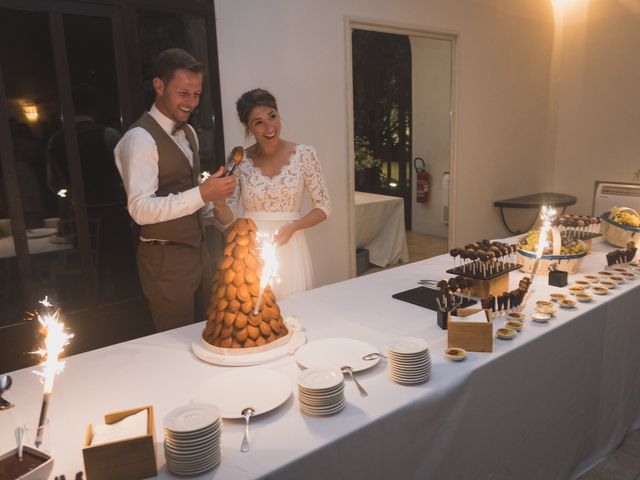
[(244, 357)]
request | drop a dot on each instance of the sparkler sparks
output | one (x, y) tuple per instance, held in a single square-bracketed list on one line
[(270, 265), (547, 214), (204, 175), (55, 340)]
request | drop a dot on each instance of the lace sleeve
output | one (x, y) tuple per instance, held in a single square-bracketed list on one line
[(315, 182), (233, 201)]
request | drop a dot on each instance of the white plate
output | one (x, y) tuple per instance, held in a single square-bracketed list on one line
[(540, 317), (322, 413), (259, 388), (321, 394), (40, 232), (195, 416), (422, 366), (240, 357), (320, 378), (568, 306), (584, 299), (321, 401), (192, 470), (411, 381), (411, 378), (335, 353), (408, 346), (601, 292), (192, 442)]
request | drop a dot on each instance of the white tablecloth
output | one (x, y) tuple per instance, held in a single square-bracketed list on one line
[(47, 244), (546, 405), (380, 228)]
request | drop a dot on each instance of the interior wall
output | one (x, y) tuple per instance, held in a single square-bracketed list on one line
[(599, 100), (431, 85), (298, 50)]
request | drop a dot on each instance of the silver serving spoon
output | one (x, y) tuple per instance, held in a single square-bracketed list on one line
[(374, 355), (5, 384), (246, 413), (349, 370)]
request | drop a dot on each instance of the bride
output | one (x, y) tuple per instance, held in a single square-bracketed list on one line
[(272, 178)]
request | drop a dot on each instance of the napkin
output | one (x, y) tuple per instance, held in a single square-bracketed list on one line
[(132, 426)]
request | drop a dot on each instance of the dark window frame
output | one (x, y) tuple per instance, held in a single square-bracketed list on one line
[(130, 87)]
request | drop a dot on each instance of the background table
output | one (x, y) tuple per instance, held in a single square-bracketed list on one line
[(546, 405), (380, 228), (536, 201), (48, 244)]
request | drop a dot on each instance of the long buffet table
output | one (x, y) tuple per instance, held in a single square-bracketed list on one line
[(548, 404)]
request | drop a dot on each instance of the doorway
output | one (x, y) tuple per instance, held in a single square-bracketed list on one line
[(401, 124)]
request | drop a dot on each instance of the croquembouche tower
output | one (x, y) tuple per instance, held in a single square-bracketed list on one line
[(232, 321)]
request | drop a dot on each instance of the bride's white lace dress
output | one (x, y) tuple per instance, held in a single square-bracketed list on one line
[(275, 201)]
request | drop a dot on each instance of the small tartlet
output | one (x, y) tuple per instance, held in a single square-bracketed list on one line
[(514, 324), (456, 354), (505, 333), (567, 303)]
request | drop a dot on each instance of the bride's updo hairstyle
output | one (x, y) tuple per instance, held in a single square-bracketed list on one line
[(252, 99)]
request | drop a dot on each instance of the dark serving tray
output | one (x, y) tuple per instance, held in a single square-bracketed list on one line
[(508, 267), (580, 235), (426, 297)]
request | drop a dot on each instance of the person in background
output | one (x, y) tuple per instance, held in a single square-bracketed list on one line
[(272, 179), (104, 196), (160, 168)]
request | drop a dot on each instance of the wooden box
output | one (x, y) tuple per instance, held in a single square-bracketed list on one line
[(472, 336), (129, 459), (495, 286)]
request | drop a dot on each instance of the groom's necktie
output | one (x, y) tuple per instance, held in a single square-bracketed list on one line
[(177, 127)]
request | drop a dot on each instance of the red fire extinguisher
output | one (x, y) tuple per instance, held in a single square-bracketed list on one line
[(422, 180)]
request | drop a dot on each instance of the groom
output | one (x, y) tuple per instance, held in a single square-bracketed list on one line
[(160, 167)]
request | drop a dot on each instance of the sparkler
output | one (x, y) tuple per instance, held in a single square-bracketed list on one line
[(55, 339), (270, 267), (547, 214)]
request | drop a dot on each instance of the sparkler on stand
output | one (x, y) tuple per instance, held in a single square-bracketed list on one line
[(270, 265), (547, 214), (55, 339)]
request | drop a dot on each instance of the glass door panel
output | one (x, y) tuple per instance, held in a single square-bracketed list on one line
[(158, 31), (33, 110)]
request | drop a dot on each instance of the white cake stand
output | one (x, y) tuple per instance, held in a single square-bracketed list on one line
[(242, 357)]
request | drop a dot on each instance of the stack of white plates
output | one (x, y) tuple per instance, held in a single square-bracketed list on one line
[(321, 391), (409, 360), (192, 438)]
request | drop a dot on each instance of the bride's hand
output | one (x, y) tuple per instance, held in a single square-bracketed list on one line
[(283, 235)]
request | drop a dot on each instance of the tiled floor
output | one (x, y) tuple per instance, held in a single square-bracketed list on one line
[(420, 247), (622, 464)]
